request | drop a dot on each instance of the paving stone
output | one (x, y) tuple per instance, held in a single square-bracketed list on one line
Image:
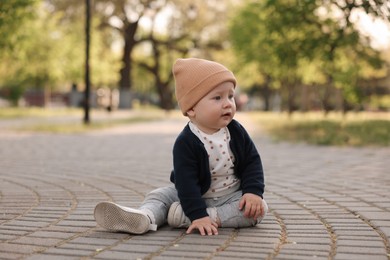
[(365, 243), (121, 255), (28, 240), (51, 234), (54, 251), (362, 249), (4, 255), (20, 249), (130, 248), (44, 256), (354, 256), (286, 256)]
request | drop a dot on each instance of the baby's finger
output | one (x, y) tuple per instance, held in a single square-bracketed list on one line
[(255, 210), (209, 230), (190, 228), (258, 212), (252, 211), (215, 230), (241, 204), (202, 230), (247, 211), (215, 224), (262, 210)]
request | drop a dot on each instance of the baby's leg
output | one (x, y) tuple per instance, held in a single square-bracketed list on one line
[(230, 216), (228, 212), (152, 213), (157, 203)]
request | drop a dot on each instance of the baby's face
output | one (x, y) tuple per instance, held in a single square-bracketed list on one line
[(215, 110)]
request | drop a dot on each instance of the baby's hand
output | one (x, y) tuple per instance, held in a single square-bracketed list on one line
[(204, 225), (253, 205)]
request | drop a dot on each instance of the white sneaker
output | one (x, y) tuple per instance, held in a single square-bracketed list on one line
[(177, 218), (114, 217)]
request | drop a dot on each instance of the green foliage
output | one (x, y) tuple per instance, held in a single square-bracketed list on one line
[(34, 61), (49, 53), (14, 14), (15, 92), (327, 132), (353, 130), (273, 34), (72, 128), (296, 42), (105, 63), (381, 102), (20, 113), (62, 121), (280, 44)]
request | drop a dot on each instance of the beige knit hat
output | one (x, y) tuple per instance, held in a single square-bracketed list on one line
[(197, 77)]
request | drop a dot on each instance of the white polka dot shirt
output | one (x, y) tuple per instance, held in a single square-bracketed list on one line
[(221, 161)]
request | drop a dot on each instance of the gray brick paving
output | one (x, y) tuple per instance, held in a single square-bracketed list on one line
[(325, 202)]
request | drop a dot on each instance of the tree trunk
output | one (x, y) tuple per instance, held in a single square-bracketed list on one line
[(305, 97), (291, 107), (326, 98), (165, 94), (267, 94), (125, 81)]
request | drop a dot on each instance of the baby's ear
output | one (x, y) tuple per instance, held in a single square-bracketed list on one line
[(190, 113)]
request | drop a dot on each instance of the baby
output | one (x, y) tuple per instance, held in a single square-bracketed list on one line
[(217, 171)]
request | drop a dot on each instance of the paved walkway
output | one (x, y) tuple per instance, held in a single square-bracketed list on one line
[(325, 202)]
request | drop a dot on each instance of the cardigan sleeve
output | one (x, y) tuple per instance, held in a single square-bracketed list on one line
[(249, 168), (187, 163)]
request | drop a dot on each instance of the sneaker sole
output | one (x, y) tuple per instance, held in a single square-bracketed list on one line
[(115, 218)]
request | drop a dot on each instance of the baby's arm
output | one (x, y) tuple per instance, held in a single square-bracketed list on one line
[(204, 225), (252, 205)]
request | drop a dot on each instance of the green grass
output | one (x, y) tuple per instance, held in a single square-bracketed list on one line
[(10, 113), (73, 128), (46, 120), (361, 129)]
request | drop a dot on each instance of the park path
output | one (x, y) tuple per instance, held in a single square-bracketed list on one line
[(325, 202)]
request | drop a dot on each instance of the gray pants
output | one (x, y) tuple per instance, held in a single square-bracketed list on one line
[(159, 200)]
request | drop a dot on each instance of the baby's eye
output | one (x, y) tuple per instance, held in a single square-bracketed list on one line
[(231, 96), (217, 97)]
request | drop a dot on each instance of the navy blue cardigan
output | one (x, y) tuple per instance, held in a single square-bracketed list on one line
[(191, 172)]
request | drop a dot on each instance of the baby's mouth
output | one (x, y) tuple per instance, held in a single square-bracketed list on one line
[(227, 114)]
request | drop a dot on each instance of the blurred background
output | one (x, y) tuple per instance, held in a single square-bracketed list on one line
[(288, 55)]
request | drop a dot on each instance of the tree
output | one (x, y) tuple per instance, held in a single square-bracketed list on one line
[(282, 36), (122, 18), (14, 14), (268, 33), (343, 48), (31, 61), (49, 55), (190, 29), (156, 66)]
